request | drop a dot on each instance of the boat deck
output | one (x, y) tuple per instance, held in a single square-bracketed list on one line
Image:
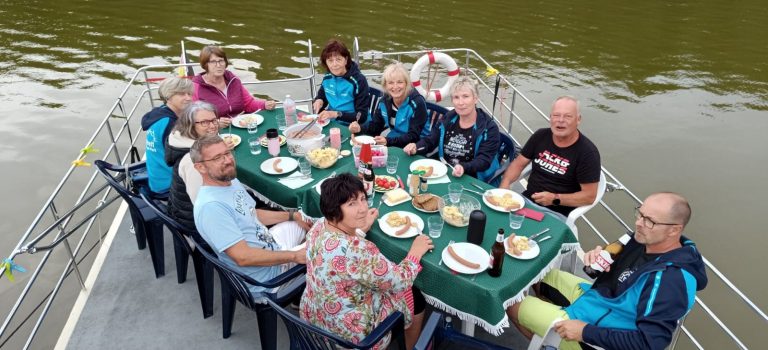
[(128, 308)]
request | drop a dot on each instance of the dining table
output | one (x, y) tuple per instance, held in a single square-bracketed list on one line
[(476, 299)]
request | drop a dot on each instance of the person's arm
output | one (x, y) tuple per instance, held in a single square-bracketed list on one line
[(415, 126), (251, 103), (192, 178), (488, 150), (586, 196), (429, 143), (657, 313), (378, 273), (362, 102), (271, 217), (376, 125), (320, 100), (514, 170), (244, 255)]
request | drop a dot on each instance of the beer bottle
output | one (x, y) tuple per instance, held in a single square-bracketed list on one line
[(607, 256), (365, 169), (497, 255)]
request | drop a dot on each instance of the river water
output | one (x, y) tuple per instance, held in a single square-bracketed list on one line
[(674, 94)]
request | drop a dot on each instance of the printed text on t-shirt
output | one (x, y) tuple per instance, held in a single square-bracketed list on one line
[(553, 163)]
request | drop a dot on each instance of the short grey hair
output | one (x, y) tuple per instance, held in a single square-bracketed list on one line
[(680, 210), (186, 123), (196, 151), (393, 72), (465, 82), (172, 86), (569, 98)]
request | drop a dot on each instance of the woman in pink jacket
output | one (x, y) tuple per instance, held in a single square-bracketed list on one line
[(221, 88)]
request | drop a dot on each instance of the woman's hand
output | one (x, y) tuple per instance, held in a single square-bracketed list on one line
[(420, 245), (270, 105), (326, 115), (224, 122), (410, 149), (354, 127), (458, 170), (373, 214), (380, 140), (317, 105)]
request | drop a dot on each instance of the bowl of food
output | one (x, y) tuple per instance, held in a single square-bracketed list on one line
[(311, 139), (323, 157), (378, 152), (457, 214)]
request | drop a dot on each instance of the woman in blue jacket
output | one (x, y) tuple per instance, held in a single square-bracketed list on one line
[(402, 110), (467, 137), (343, 93)]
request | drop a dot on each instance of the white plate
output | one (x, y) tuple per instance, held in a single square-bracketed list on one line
[(438, 169), (470, 252), (265, 143), (527, 254), (317, 185), (362, 139), (241, 121), (427, 211), (392, 204), (413, 231), (502, 192), (235, 138), (389, 178), (308, 118), (288, 164)]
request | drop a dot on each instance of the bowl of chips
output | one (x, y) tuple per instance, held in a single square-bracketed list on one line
[(457, 214), (323, 157)]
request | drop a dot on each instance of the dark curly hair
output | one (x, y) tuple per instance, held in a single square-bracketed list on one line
[(335, 46), (336, 191)]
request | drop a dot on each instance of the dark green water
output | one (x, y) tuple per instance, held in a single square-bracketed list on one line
[(675, 94)]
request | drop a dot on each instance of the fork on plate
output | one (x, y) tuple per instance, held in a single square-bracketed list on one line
[(442, 159), (441, 258)]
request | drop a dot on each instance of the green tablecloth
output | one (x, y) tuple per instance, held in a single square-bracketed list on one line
[(482, 301)]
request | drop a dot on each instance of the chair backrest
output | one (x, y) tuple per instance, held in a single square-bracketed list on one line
[(580, 211), (438, 333), (140, 213), (435, 115), (507, 153), (177, 229), (306, 336), (375, 95)]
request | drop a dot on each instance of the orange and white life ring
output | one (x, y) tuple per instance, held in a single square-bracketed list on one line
[(430, 58)]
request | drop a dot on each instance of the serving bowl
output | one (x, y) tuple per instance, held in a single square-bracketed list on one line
[(322, 158), (457, 214), (298, 147)]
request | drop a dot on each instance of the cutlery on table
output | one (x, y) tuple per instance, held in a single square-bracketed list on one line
[(473, 191), (400, 181), (544, 239), (446, 163), (478, 186), (539, 234), (441, 258)]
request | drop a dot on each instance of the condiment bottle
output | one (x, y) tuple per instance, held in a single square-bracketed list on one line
[(497, 255), (365, 169), (607, 256), (413, 183)]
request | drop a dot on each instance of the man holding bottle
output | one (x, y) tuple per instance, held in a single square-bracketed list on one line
[(636, 302)]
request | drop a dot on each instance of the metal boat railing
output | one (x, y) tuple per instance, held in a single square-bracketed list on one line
[(519, 110)]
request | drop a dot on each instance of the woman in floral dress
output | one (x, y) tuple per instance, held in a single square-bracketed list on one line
[(351, 286)]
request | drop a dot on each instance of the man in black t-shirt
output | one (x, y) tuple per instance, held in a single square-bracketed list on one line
[(566, 164)]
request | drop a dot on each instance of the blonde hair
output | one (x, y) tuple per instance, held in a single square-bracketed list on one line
[(465, 82), (172, 86), (395, 71)]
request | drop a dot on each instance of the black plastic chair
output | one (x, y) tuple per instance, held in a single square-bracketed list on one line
[(438, 333), (507, 153), (234, 286), (146, 224), (305, 336), (182, 250), (435, 115)]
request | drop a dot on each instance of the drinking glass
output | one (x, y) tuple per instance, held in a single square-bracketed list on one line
[(281, 125), (370, 200), (335, 137), (255, 144), (392, 165), (435, 225), (515, 220), (253, 127), (304, 167), (454, 192)]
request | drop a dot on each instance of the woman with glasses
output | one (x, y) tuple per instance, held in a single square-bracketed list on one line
[(351, 286), (220, 87), (176, 94), (197, 120), (343, 94)]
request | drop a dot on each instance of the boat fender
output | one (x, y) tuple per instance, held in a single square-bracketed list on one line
[(428, 59)]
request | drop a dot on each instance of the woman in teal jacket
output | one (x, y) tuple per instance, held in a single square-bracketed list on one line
[(343, 94)]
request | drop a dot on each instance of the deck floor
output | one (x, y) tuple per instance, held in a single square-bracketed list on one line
[(128, 308)]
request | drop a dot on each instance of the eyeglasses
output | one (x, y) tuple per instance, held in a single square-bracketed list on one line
[(217, 62), (219, 158), (207, 122), (648, 222)]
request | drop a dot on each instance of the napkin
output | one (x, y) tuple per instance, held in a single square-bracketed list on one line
[(295, 180), (531, 214), (440, 180)]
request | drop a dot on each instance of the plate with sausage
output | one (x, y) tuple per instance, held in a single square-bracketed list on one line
[(401, 224), (432, 168), (279, 165), (466, 258), (520, 247), (503, 200), (242, 121)]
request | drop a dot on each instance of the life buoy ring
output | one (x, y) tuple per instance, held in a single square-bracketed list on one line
[(431, 58)]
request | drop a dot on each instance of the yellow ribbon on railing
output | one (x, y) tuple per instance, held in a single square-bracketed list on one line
[(10, 266), (80, 162), (89, 149), (490, 71)]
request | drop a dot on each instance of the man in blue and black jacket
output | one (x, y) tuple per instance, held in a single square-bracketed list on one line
[(637, 302)]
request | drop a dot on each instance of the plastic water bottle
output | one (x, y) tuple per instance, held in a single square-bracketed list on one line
[(289, 108)]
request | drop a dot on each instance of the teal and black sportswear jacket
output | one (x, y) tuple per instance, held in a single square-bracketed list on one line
[(410, 120), (347, 94), (643, 312)]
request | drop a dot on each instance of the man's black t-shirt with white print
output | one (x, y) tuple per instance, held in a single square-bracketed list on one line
[(560, 170), (458, 144), (625, 265)]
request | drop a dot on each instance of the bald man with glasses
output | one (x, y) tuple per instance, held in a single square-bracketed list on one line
[(636, 302)]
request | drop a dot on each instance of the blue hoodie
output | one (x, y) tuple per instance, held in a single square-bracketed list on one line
[(643, 311), (158, 124), (347, 94), (410, 120), (485, 132)]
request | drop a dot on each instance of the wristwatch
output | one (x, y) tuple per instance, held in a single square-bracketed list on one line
[(290, 214), (338, 114), (556, 201)]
